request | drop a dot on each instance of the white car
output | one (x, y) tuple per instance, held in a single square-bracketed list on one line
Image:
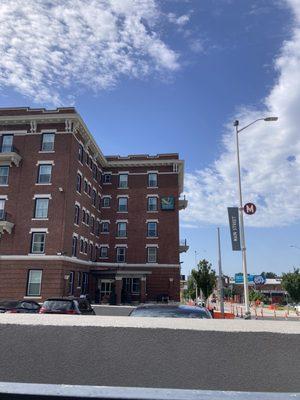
[(297, 308)]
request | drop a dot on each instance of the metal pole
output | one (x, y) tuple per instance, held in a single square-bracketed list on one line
[(195, 280), (244, 257), (220, 279)]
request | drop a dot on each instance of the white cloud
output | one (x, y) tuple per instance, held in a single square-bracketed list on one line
[(270, 155), (180, 21), (48, 48)]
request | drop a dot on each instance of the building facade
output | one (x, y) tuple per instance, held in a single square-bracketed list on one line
[(73, 221)]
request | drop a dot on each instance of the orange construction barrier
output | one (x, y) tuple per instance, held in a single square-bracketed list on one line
[(226, 315)]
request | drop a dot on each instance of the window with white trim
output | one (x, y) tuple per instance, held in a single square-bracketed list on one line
[(152, 229), (74, 246), (103, 252), (123, 181), (41, 208), (152, 204), (94, 197), (104, 227), (38, 240), (48, 141), (151, 254), (45, 172), (122, 204), (121, 254), (152, 179), (4, 173), (106, 178), (76, 214), (7, 143), (78, 183), (80, 153), (2, 210), (122, 229), (106, 202), (34, 282)]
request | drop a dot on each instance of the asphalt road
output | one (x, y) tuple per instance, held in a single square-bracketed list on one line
[(173, 357)]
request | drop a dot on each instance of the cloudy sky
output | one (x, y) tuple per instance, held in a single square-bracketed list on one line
[(171, 76)]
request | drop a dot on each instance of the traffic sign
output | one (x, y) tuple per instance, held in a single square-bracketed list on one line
[(249, 208), (259, 280)]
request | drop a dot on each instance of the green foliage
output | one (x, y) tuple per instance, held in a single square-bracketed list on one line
[(204, 277), (291, 283), (191, 290), (269, 275), (255, 295)]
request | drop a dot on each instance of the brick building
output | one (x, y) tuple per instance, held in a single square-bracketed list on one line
[(73, 221)]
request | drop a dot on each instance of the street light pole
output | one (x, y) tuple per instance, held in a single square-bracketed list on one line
[(243, 239), (220, 278)]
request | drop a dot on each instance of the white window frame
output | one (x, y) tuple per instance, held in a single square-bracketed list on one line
[(118, 249), (33, 233), (149, 249), (38, 199), (47, 150), (29, 282)]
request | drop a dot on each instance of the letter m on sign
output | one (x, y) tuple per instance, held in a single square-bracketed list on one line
[(249, 208)]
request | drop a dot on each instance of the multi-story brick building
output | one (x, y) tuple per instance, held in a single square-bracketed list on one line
[(73, 221)]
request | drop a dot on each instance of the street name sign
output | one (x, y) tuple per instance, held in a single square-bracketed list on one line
[(233, 215)]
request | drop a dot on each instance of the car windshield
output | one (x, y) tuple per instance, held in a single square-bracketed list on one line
[(170, 312), (58, 305)]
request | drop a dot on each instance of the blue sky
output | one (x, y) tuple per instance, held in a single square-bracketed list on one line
[(171, 76)]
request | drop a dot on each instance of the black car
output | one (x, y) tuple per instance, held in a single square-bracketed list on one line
[(19, 306), (67, 306), (171, 311)]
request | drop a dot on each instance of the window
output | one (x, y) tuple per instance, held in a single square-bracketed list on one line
[(83, 216), (41, 208), (7, 141), (85, 282), (80, 153), (79, 279), (106, 202), (86, 187), (107, 178), (45, 171), (34, 282), (4, 172), (38, 242), (78, 183), (74, 246), (121, 252), (71, 283), (122, 229), (123, 181), (132, 285), (2, 212), (99, 176), (122, 204), (104, 227), (76, 215), (152, 229), (89, 189), (91, 252), (99, 202), (87, 218), (81, 246), (94, 197), (92, 224), (152, 204), (97, 230), (136, 286), (48, 141), (103, 252), (152, 180), (94, 169), (151, 254), (86, 247), (87, 161)]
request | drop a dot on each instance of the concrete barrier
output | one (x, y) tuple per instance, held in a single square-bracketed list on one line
[(121, 311), (148, 352)]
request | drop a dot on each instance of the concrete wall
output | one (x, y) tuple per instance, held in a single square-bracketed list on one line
[(122, 351)]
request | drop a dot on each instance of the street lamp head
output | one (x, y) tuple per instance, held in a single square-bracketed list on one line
[(268, 119), (236, 123)]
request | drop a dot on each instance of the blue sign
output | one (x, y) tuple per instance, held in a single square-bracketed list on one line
[(239, 278), (259, 280), (168, 203)]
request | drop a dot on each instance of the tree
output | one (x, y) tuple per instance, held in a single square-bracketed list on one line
[(255, 295), (291, 283), (191, 288), (269, 275), (205, 278)]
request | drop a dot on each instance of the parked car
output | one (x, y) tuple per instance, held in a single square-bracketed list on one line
[(297, 308), (67, 306), (19, 306), (171, 311)]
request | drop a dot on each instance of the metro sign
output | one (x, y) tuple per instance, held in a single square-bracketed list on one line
[(250, 208)]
